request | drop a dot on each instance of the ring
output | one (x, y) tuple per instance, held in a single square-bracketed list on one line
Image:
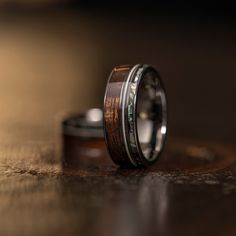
[(84, 125), (135, 115), (83, 140)]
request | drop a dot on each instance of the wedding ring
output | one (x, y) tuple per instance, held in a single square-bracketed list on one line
[(83, 140), (84, 125), (135, 115)]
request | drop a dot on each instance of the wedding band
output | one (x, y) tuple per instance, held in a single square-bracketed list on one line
[(85, 125), (135, 115)]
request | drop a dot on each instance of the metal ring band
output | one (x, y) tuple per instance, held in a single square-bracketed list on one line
[(84, 125), (135, 115)]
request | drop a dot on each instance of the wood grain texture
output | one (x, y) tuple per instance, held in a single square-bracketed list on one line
[(112, 114), (190, 191)]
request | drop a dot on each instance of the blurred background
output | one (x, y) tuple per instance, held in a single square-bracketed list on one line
[(55, 58)]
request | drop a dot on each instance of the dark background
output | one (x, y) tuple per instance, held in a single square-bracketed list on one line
[(64, 51)]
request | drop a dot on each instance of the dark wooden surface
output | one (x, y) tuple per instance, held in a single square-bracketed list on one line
[(190, 191)]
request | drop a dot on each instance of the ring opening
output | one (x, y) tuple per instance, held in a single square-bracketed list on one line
[(151, 114)]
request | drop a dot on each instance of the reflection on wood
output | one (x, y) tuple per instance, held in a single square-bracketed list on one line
[(190, 189)]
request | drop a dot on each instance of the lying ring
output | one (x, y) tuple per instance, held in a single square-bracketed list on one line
[(84, 125), (135, 115)]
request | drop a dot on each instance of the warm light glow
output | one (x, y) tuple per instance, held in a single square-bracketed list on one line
[(94, 115), (163, 129)]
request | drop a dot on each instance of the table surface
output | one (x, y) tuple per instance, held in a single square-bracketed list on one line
[(191, 190)]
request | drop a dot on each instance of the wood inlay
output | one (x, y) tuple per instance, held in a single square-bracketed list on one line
[(112, 123)]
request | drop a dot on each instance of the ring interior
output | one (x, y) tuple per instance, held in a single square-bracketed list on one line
[(151, 115)]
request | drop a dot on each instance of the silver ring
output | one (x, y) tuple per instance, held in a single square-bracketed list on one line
[(135, 115)]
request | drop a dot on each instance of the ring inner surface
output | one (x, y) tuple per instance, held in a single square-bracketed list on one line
[(151, 115)]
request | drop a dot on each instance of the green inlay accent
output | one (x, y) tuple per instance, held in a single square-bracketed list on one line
[(130, 113)]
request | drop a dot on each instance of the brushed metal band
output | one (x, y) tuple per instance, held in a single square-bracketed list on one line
[(135, 118)]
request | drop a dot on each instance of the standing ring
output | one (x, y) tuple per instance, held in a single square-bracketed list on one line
[(135, 115)]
